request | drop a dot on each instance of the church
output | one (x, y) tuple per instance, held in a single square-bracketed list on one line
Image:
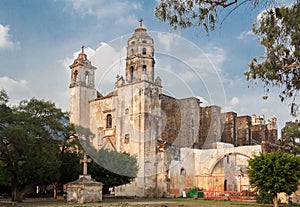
[(179, 144)]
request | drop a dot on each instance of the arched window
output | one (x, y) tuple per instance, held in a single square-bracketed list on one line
[(144, 51), (86, 78), (225, 185), (108, 121), (144, 68), (131, 74), (182, 171), (75, 76), (132, 51)]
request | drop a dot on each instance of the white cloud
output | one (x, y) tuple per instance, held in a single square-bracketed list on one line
[(207, 63), (9, 84), (166, 40), (112, 11), (5, 38), (246, 35), (17, 89)]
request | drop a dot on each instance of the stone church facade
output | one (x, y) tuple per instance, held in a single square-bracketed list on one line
[(138, 118)]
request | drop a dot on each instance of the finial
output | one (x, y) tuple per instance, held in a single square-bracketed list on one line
[(141, 22), (82, 55)]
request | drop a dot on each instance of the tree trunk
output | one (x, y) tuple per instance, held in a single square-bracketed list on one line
[(54, 190), (275, 201), (22, 193), (14, 190)]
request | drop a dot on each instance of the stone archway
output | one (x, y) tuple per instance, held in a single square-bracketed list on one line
[(218, 159), (214, 173), (199, 165)]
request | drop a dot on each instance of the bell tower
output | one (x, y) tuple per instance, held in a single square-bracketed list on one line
[(140, 56), (138, 107), (82, 89)]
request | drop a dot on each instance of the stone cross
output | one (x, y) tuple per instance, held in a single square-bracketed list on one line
[(85, 161), (141, 22)]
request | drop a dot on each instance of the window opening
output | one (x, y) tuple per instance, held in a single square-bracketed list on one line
[(126, 140), (86, 78), (108, 121), (75, 76), (182, 171), (144, 51), (131, 74)]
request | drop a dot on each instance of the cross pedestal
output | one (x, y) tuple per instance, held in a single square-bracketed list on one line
[(84, 189)]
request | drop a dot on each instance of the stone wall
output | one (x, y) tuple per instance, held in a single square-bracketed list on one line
[(210, 126), (229, 128), (190, 122), (243, 131), (258, 133), (171, 112), (263, 131)]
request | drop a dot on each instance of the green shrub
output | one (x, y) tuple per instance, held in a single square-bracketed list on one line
[(264, 198)]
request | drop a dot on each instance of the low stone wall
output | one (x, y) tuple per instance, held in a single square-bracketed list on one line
[(7, 203)]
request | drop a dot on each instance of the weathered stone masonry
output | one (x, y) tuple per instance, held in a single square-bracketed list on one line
[(162, 131)]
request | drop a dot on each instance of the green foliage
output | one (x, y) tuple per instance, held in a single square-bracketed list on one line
[(3, 97), (199, 13), (70, 167), (31, 136), (114, 168), (290, 137), (279, 32), (274, 173), (264, 198), (4, 176)]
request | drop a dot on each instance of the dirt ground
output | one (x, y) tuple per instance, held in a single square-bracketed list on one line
[(134, 202), (137, 202)]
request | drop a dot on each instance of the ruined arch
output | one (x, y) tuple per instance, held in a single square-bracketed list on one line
[(219, 158)]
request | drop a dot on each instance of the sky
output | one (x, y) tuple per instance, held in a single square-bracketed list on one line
[(40, 39)]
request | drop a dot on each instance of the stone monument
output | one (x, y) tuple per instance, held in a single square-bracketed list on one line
[(84, 189)]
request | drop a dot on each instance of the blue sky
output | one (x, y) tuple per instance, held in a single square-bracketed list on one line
[(39, 39)]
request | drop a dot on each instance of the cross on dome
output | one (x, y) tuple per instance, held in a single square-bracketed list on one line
[(141, 22), (82, 55)]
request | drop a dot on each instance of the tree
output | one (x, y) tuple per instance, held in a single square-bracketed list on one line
[(274, 173), (200, 13), (278, 30), (30, 136), (290, 137)]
